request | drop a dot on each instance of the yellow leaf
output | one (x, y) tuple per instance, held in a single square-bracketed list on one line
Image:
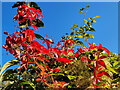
[(91, 36), (86, 39), (80, 36), (85, 21), (72, 28), (96, 17), (90, 18), (81, 11), (75, 25), (87, 6), (94, 21)]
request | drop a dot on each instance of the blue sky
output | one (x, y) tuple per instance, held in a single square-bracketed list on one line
[(59, 16)]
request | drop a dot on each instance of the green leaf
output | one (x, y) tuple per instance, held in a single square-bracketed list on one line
[(39, 36), (75, 25), (71, 77), (8, 64), (96, 17), (87, 6)]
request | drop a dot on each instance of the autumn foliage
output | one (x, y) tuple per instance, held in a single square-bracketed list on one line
[(51, 67)]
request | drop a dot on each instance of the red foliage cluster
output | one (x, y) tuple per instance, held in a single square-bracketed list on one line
[(28, 13)]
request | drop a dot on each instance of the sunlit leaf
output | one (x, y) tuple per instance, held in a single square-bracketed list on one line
[(94, 21), (87, 6), (80, 36), (90, 18), (86, 39), (96, 17), (71, 77), (8, 64), (75, 25), (85, 21), (81, 11), (72, 28), (111, 69), (115, 63), (91, 36)]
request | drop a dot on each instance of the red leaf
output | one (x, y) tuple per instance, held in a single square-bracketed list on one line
[(101, 73), (6, 33), (57, 69), (24, 44), (102, 57), (6, 47), (72, 57), (84, 58), (89, 43), (64, 60), (101, 47), (107, 51), (38, 80), (100, 62), (77, 54)]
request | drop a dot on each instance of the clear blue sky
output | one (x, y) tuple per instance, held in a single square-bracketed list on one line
[(59, 16)]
